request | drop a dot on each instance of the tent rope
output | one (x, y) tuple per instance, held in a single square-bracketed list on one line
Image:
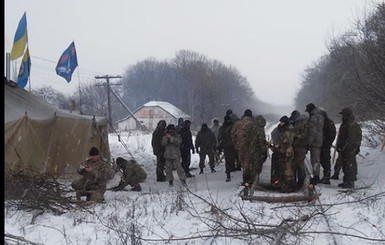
[(121, 141)]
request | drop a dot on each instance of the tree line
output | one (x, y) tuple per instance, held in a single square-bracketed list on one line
[(352, 74), (201, 87)]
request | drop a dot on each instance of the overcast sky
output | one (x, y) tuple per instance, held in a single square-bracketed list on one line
[(269, 42)]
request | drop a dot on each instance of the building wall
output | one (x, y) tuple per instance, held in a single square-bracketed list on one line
[(149, 117)]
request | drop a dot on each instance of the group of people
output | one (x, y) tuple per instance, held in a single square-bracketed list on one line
[(299, 134), (172, 145), (244, 146)]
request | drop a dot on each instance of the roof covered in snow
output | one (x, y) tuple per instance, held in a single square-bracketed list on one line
[(170, 108)]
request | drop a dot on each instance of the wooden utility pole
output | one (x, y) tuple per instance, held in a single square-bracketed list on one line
[(108, 77)]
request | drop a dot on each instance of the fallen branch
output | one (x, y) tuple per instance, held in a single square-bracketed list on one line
[(281, 199), (18, 239)]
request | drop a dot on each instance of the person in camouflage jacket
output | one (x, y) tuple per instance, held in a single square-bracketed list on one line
[(348, 146), (314, 140), (133, 174), (171, 141), (283, 137), (95, 173), (239, 137), (299, 122), (257, 145)]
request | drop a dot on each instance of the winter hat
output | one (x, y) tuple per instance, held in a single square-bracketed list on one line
[(162, 123), (310, 107), (119, 161), (285, 120), (346, 112), (204, 126), (170, 127), (229, 112), (248, 113), (187, 122), (260, 120), (294, 115), (94, 151), (180, 121), (227, 118)]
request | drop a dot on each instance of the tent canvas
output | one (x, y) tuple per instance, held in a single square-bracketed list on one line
[(41, 138)]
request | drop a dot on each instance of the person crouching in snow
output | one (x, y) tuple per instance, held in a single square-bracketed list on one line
[(171, 141), (95, 173), (133, 174)]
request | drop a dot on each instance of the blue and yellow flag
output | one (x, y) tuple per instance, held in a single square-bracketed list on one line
[(20, 39), (67, 63), (25, 70)]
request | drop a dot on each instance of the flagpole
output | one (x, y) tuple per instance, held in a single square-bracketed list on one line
[(8, 68), (80, 93), (29, 75), (29, 83)]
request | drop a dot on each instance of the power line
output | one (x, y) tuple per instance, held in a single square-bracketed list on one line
[(55, 62)]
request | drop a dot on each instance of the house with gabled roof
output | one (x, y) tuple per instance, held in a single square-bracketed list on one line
[(150, 114)]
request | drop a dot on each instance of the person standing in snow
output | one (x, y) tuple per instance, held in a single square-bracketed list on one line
[(215, 129), (204, 144), (158, 150), (348, 146), (186, 147), (234, 119), (299, 122), (225, 144), (329, 134), (95, 173), (314, 140), (257, 145), (179, 126), (171, 141), (238, 136), (133, 174), (282, 173)]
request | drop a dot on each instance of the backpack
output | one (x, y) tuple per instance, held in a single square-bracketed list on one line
[(329, 132)]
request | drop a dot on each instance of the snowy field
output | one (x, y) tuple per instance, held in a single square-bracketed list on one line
[(210, 210)]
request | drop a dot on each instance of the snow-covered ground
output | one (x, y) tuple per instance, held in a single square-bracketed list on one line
[(211, 211)]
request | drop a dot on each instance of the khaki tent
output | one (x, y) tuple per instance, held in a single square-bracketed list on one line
[(41, 138)]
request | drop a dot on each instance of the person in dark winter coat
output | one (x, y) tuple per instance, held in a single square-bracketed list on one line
[(337, 167), (315, 137), (186, 147), (158, 150), (225, 144), (133, 174), (95, 173), (171, 141), (205, 143), (232, 115), (348, 146), (299, 122), (179, 126), (329, 134), (215, 129)]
